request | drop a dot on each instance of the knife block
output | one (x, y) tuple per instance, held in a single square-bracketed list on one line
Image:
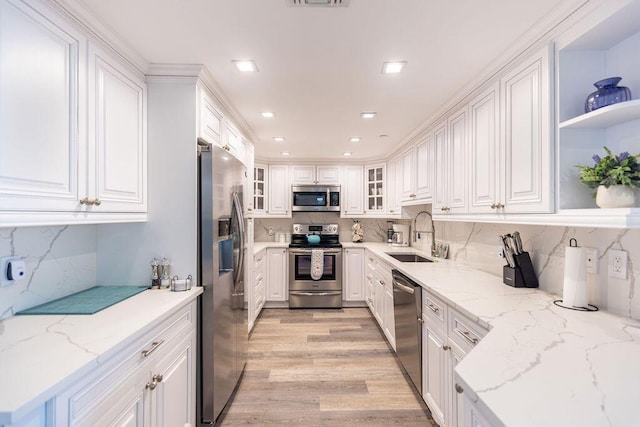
[(522, 275)]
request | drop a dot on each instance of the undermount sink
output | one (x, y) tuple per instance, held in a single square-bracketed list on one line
[(408, 257)]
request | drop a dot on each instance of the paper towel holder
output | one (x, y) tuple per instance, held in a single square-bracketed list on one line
[(574, 244)]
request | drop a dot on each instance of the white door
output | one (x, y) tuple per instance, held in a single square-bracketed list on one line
[(173, 398), (526, 103), (277, 274), (42, 122), (328, 175), (279, 191), (425, 169), (441, 195), (117, 135), (408, 175), (457, 161), (210, 119), (484, 152), (353, 190), (303, 175), (354, 274), (434, 372)]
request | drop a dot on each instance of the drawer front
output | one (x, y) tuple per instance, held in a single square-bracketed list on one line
[(464, 331), (434, 310), (128, 371)]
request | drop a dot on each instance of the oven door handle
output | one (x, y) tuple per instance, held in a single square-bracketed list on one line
[(308, 251), (314, 294)]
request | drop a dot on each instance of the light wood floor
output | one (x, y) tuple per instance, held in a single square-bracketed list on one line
[(323, 367)]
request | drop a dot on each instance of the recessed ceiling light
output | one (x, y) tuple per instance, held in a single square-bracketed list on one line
[(346, 153), (393, 67), (246, 66), (368, 114), (278, 138), (285, 153), (268, 114), (354, 139)]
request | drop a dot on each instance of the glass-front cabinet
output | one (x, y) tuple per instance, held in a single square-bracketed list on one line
[(259, 188), (375, 188)]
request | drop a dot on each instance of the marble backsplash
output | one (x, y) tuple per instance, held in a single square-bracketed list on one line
[(60, 260), (477, 245)]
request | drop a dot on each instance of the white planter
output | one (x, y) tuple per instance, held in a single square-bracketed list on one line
[(616, 196)]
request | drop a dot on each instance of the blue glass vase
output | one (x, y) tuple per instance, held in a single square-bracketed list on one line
[(608, 93)]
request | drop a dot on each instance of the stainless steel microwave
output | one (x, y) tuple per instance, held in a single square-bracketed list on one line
[(315, 198)]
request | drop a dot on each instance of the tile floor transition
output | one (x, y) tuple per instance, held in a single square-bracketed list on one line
[(316, 367)]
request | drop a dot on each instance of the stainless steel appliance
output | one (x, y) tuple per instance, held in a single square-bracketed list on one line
[(222, 319), (407, 313), (316, 198), (400, 236), (304, 291)]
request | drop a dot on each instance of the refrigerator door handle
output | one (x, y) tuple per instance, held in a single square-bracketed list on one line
[(238, 217)]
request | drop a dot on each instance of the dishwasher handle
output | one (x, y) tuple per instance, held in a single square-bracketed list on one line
[(402, 287)]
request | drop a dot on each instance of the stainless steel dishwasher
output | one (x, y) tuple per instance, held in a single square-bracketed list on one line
[(407, 312)]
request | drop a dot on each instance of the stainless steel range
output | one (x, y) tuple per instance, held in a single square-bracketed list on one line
[(315, 269)]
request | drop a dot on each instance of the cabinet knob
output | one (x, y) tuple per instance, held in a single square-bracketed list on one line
[(97, 202), (446, 347), (85, 201), (151, 385), (391, 210), (493, 205), (459, 389), (412, 195), (499, 205), (157, 378)]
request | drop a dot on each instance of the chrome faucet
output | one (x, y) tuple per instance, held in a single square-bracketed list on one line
[(432, 232)]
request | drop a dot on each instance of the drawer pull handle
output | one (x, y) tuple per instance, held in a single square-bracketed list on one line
[(433, 308), (459, 389), (153, 348), (466, 335)]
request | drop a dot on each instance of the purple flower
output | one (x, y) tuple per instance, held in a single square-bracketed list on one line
[(623, 156), (596, 158)]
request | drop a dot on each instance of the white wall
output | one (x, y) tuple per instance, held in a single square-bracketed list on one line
[(60, 261), (125, 250)]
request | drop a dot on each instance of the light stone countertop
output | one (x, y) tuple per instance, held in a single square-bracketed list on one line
[(539, 365), (41, 355)]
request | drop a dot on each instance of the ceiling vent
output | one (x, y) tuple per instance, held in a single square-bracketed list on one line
[(318, 3)]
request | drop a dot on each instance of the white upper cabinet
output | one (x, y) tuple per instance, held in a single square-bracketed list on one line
[(408, 175), (260, 189), (375, 187), (451, 166), (279, 191), (394, 168), (86, 160), (210, 119), (485, 152), (117, 135), (42, 118), (440, 197), (311, 175), (526, 106), (352, 191), (425, 169)]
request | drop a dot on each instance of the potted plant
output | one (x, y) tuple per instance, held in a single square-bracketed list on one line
[(615, 177)]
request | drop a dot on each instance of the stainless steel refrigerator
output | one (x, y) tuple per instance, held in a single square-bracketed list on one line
[(222, 319)]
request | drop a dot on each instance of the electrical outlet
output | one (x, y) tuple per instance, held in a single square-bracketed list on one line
[(592, 260), (618, 264), (500, 252), (270, 231)]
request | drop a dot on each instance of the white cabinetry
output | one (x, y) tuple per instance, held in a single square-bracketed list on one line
[(150, 383), (311, 175), (279, 191), (259, 286), (408, 175), (526, 107), (425, 169), (353, 261), (209, 119), (394, 186), (447, 336), (375, 188), (277, 274), (260, 190), (352, 191), (117, 136), (379, 294), (485, 152), (85, 160), (451, 166)]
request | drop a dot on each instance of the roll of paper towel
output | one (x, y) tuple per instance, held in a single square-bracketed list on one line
[(574, 292)]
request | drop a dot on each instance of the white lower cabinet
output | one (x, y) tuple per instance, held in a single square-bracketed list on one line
[(259, 286), (353, 268), (379, 295), (447, 336), (149, 383), (277, 274), (472, 417)]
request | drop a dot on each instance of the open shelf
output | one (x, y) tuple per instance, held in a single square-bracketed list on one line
[(606, 116)]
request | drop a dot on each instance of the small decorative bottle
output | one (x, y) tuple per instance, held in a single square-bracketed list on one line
[(165, 279), (155, 277)]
